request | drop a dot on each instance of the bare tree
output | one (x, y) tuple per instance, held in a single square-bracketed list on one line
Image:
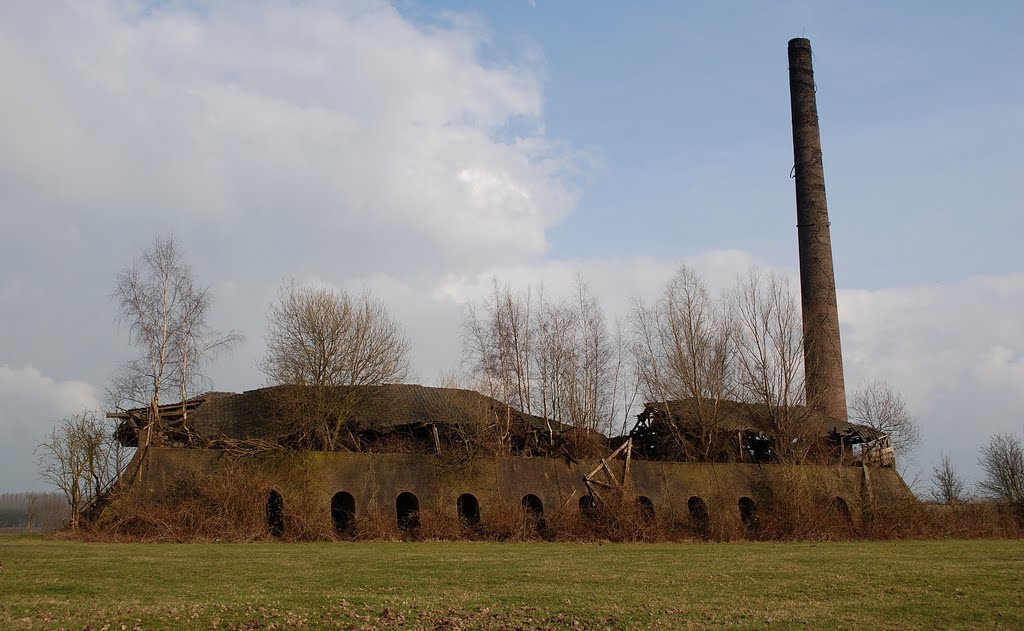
[(682, 347), (31, 507), (769, 359), (498, 341), (1002, 462), (879, 406), (578, 362), (558, 360), (166, 314), (82, 459), (947, 485), (333, 345)]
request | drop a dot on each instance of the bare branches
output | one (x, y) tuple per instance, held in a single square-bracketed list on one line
[(879, 406), (498, 342), (1002, 461), (947, 485), (769, 352), (744, 346), (555, 359), (166, 314), (81, 458), (151, 295), (322, 338), (682, 349)]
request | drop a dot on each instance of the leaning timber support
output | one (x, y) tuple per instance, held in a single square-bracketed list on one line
[(611, 481)]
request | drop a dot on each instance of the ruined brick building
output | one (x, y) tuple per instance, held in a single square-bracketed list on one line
[(408, 439)]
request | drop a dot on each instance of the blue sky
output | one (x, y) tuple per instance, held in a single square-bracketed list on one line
[(418, 148), (686, 104)]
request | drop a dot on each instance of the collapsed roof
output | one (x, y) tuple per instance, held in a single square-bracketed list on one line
[(269, 413), (736, 416), (726, 430)]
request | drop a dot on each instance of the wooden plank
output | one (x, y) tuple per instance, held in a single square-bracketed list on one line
[(629, 455), (611, 475)]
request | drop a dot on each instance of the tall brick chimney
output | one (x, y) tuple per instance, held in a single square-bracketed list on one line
[(823, 355)]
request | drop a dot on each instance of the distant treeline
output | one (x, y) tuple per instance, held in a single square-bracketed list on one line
[(40, 512)]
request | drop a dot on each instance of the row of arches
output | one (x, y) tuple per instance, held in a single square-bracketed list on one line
[(407, 509)]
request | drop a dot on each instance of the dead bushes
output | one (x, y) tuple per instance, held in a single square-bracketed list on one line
[(234, 504), (228, 505)]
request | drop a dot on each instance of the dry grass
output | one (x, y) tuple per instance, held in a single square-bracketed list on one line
[(463, 585)]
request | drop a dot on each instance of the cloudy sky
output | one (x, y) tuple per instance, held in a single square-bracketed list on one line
[(418, 148)]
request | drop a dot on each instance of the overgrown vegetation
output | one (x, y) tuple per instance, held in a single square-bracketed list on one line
[(793, 504), (332, 346), (876, 585), (82, 458), (1002, 461)]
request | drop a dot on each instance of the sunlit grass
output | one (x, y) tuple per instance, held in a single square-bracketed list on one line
[(894, 585)]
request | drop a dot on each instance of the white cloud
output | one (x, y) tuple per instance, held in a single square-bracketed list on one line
[(343, 116), (30, 405), (1002, 368), (955, 350), (30, 385)]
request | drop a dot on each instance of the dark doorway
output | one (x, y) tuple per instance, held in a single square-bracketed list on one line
[(645, 507), (843, 509), (533, 512), (275, 513), (407, 509), (699, 517), (748, 513), (469, 510), (588, 507), (343, 511)]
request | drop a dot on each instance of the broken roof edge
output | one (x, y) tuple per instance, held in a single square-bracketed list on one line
[(386, 408), (741, 416)]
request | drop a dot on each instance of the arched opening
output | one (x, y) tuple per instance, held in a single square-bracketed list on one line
[(748, 513), (588, 507), (469, 510), (843, 509), (699, 517), (533, 512), (343, 511), (275, 513), (645, 507), (407, 510)]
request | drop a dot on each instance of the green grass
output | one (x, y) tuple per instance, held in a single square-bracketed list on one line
[(865, 585)]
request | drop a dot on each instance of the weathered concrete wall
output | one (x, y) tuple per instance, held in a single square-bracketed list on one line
[(376, 480)]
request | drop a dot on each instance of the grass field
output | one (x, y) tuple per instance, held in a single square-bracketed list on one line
[(865, 585)]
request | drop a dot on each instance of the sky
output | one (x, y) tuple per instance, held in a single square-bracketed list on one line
[(419, 149)]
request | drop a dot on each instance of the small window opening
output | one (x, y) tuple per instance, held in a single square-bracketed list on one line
[(469, 510), (343, 511), (843, 509), (588, 507), (407, 510), (699, 517), (748, 513), (533, 512), (275, 513)]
